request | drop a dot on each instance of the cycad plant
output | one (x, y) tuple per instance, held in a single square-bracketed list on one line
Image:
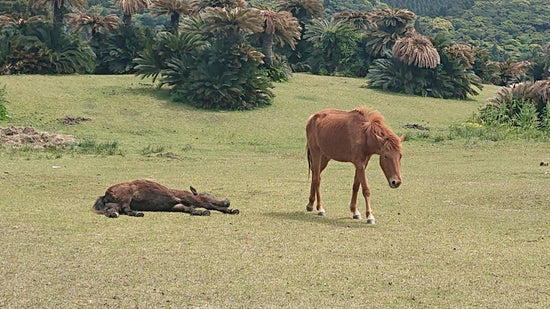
[(40, 48), (416, 65), (175, 9), (334, 43), (523, 105), (211, 64)]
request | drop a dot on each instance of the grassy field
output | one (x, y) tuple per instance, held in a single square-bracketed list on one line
[(469, 227)]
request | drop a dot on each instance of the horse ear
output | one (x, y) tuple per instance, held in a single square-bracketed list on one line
[(403, 137), (193, 191)]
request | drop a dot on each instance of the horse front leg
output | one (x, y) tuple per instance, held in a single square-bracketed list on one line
[(223, 209), (190, 210), (356, 184), (360, 172), (126, 209)]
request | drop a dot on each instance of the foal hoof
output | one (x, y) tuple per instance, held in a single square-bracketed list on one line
[(113, 214), (205, 213), (233, 211), (139, 214)]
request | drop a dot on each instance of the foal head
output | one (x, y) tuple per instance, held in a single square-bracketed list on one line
[(205, 200)]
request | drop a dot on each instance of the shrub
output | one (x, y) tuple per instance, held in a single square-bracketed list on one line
[(3, 111), (523, 105)]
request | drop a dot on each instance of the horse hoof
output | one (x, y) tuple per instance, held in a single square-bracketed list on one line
[(113, 215), (140, 214), (321, 213), (357, 217), (309, 207), (205, 213), (371, 221), (233, 211)]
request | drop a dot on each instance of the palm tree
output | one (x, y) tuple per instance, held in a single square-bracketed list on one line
[(95, 22), (279, 28), (416, 49), (173, 8), (304, 10), (361, 20), (231, 24), (131, 7), (200, 5), (58, 6), (334, 43), (389, 26)]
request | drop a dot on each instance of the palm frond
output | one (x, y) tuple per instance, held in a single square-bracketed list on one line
[(415, 49)]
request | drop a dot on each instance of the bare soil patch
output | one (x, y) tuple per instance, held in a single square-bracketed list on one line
[(73, 120), (17, 137)]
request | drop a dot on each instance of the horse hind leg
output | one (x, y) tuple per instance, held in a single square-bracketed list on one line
[(353, 203), (315, 193)]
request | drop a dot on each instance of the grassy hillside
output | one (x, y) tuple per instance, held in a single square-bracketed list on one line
[(468, 227)]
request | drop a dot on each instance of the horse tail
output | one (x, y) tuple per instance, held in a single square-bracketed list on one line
[(308, 161), (99, 205)]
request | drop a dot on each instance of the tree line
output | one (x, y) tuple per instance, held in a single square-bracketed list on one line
[(227, 53)]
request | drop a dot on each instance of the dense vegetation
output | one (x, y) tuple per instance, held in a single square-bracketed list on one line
[(225, 54)]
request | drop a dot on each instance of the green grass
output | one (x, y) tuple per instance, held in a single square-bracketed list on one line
[(469, 227)]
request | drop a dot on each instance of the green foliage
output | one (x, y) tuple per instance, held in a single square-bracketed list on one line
[(95, 148), (121, 48), (40, 48), (508, 29), (210, 65), (334, 43), (3, 110), (523, 107), (226, 77)]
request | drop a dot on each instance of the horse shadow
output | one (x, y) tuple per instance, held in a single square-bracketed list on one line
[(342, 222)]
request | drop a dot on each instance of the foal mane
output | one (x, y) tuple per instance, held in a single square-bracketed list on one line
[(374, 124)]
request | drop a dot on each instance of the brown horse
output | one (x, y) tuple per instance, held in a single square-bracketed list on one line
[(145, 195), (351, 136)]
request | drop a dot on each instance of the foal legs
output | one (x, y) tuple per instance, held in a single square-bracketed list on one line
[(190, 210)]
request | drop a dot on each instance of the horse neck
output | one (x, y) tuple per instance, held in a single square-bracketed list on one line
[(184, 196)]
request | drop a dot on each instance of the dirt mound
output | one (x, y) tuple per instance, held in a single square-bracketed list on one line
[(17, 137), (73, 120)]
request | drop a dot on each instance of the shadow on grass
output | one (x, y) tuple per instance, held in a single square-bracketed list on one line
[(312, 217)]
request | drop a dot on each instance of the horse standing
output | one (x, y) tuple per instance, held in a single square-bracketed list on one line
[(351, 136)]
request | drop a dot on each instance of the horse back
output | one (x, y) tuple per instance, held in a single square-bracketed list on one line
[(143, 195), (337, 134)]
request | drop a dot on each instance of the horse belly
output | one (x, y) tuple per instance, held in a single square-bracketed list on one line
[(158, 203), (336, 145)]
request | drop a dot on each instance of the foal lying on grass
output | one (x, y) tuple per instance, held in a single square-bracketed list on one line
[(131, 197)]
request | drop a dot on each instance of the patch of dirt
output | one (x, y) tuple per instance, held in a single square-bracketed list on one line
[(168, 154), (73, 120), (416, 126), (17, 137)]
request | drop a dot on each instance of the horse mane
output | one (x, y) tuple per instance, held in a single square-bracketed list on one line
[(374, 124)]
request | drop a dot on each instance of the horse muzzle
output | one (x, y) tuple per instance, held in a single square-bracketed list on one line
[(394, 183)]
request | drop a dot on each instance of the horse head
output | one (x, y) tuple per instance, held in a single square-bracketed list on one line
[(208, 201), (390, 159)]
